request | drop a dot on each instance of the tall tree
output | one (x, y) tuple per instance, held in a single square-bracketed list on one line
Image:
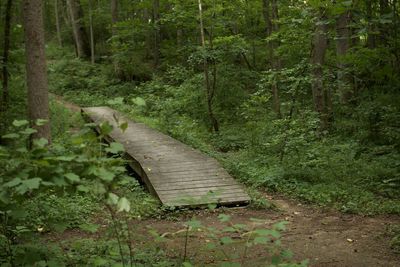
[(6, 51), (78, 28), (58, 23), (319, 47), (92, 45), (114, 16), (210, 86), (271, 16), (36, 70), (157, 35), (343, 44)]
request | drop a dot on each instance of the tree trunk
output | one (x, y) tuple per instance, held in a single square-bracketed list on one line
[(80, 36), (320, 45), (157, 37), (114, 16), (92, 45), (210, 88), (371, 42), (271, 15), (343, 44), (36, 71), (6, 51), (58, 25)]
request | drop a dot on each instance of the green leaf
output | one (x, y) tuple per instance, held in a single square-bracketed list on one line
[(40, 143), (104, 174), (13, 182), (20, 123), (105, 128), (112, 199), (187, 264), (33, 183), (224, 218), (267, 232), (89, 227), (124, 205), (115, 148), (82, 188), (138, 101), (116, 101), (123, 126), (226, 240), (281, 226), (28, 131), (72, 177), (41, 122), (11, 136), (261, 240), (194, 224)]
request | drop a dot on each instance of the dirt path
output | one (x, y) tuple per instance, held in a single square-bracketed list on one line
[(326, 238)]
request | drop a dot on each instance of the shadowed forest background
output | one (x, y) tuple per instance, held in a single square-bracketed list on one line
[(296, 98)]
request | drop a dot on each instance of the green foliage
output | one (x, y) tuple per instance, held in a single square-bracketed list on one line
[(394, 233)]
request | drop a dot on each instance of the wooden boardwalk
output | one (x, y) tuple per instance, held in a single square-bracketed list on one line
[(174, 172)]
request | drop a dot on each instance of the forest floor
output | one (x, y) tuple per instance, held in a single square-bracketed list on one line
[(325, 237)]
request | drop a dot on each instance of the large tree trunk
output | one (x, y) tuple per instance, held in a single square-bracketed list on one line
[(157, 34), (36, 71), (6, 51), (343, 44), (78, 28), (58, 24), (320, 45)]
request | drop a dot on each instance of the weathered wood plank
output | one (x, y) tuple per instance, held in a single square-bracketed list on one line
[(174, 172)]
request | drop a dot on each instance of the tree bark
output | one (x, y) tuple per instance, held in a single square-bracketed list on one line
[(271, 15), (210, 88), (157, 35), (36, 71), (92, 45), (80, 36), (343, 44), (371, 42), (320, 45), (6, 52), (114, 16), (58, 24)]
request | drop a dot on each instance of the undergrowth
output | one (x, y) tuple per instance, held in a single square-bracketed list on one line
[(345, 169)]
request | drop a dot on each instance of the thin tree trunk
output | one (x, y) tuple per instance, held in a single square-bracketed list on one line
[(157, 37), (58, 25), (209, 89), (92, 45), (6, 51), (81, 39), (320, 45), (343, 43), (114, 16), (271, 15), (36, 70), (371, 42)]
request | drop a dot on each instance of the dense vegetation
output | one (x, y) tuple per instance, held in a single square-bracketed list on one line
[(296, 97)]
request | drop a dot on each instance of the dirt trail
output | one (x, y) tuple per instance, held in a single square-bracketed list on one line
[(325, 237)]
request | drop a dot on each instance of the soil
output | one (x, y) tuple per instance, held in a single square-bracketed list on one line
[(324, 237)]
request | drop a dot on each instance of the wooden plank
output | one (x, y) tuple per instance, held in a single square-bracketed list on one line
[(173, 171)]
